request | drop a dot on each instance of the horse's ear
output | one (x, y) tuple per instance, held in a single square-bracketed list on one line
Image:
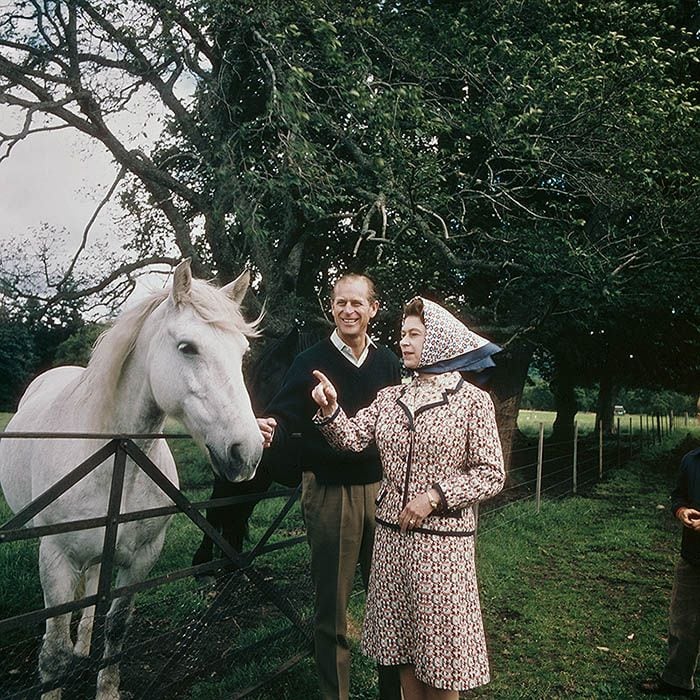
[(182, 282), (236, 290)]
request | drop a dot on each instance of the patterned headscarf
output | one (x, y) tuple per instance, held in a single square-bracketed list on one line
[(450, 346)]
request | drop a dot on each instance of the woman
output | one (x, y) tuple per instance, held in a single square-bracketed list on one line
[(440, 454)]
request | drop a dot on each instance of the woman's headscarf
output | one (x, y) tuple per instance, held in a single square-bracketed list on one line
[(450, 346)]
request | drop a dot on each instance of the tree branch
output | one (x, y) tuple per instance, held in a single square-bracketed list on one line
[(83, 242), (123, 270)]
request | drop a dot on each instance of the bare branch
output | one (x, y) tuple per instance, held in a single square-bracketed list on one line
[(198, 38), (149, 72), (366, 233), (445, 232), (83, 242), (123, 270)]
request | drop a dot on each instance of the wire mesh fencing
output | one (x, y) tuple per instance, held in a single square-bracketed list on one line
[(231, 627), (242, 615)]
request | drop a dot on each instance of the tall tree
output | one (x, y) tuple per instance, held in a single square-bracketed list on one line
[(524, 161)]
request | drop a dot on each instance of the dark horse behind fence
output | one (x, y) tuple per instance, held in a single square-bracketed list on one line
[(264, 381)]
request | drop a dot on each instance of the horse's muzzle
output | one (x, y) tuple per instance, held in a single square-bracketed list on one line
[(238, 464)]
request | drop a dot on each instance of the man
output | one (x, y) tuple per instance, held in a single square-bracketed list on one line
[(338, 489), (684, 615)]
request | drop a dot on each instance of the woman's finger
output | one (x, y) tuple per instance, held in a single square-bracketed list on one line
[(322, 378), (319, 395)]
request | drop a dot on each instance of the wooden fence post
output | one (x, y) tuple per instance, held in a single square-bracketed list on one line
[(574, 475), (629, 455), (540, 452)]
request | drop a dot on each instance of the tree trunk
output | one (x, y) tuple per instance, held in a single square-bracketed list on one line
[(564, 391), (604, 410), (506, 389)]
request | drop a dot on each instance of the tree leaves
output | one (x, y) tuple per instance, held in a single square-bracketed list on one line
[(487, 133)]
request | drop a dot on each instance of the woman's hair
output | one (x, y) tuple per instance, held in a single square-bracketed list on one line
[(414, 308)]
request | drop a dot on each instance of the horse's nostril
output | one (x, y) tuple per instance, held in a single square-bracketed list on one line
[(213, 457), (234, 451)]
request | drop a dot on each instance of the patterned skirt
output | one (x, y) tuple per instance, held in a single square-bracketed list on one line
[(423, 609)]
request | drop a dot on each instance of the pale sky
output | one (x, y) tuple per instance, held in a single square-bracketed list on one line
[(58, 179), (55, 178)]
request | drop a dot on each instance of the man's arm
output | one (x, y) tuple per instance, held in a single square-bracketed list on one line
[(680, 499), (289, 408)]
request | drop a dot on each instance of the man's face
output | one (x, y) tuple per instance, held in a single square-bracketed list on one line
[(352, 309)]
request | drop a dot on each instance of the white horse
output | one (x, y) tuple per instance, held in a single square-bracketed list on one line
[(178, 353)]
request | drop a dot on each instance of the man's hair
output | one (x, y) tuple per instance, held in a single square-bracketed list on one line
[(371, 288), (414, 308)]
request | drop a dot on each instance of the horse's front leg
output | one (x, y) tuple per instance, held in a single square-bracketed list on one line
[(59, 579), (82, 642), (119, 616), (116, 625)]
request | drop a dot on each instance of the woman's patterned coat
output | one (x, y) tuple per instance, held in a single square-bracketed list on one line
[(423, 602)]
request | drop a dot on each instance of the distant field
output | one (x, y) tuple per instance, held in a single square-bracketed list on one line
[(529, 422), (4, 420)]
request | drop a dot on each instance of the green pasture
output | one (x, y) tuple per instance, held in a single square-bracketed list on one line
[(529, 422), (575, 598)]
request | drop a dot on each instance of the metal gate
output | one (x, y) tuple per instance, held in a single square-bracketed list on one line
[(241, 617)]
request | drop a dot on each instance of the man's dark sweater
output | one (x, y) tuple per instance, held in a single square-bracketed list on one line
[(687, 495), (357, 387)]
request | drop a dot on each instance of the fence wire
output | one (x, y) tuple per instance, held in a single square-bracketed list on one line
[(220, 630)]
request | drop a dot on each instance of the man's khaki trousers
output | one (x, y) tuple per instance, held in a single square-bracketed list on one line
[(340, 531)]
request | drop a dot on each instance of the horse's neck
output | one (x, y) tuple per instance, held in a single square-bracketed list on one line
[(134, 409), (128, 407)]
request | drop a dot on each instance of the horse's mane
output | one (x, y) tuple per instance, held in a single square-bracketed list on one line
[(114, 346)]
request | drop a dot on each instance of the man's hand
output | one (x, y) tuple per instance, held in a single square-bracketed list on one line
[(324, 394), (689, 517), (267, 430)]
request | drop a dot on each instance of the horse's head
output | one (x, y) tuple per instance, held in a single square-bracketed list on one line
[(194, 370)]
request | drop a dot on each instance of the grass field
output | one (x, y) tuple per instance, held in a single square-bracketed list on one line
[(575, 598), (529, 421)]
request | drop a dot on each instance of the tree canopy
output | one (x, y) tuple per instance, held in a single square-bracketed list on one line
[(533, 163)]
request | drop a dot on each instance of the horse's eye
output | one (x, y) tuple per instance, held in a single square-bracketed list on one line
[(187, 348)]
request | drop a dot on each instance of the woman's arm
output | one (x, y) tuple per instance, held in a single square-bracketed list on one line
[(483, 475), (342, 432)]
